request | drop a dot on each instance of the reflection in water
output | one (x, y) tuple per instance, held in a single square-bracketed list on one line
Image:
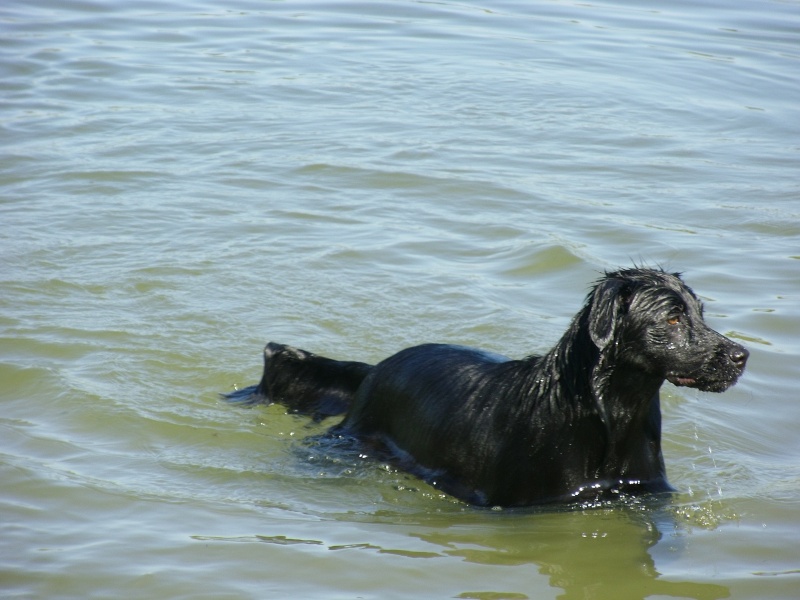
[(603, 552), (588, 554)]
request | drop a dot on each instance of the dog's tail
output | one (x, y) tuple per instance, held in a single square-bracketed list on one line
[(305, 383)]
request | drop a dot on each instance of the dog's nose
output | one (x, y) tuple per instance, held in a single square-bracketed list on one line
[(739, 357)]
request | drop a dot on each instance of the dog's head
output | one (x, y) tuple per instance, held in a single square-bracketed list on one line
[(651, 319)]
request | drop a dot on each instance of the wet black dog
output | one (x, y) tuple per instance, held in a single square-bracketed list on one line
[(582, 422)]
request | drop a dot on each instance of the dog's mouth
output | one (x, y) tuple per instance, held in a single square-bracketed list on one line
[(714, 384), (676, 379)]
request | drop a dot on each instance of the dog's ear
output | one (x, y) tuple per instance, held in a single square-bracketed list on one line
[(607, 305)]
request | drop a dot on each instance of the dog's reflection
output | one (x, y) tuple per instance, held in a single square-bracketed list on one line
[(588, 554)]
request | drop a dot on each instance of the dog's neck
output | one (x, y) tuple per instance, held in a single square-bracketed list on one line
[(632, 427)]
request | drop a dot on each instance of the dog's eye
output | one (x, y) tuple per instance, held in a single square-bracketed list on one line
[(674, 320)]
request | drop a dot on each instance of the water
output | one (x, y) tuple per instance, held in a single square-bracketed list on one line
[(183, 182)]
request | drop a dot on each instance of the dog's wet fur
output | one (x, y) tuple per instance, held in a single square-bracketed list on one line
[(581, 423)]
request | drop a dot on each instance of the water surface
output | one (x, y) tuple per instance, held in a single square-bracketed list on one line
[(181, 183)]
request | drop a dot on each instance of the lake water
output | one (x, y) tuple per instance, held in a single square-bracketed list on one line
[(182, 182)]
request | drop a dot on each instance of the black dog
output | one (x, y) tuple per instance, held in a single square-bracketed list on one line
[(582, 422)]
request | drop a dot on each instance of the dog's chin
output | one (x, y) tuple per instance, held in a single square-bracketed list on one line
[(704, 385)]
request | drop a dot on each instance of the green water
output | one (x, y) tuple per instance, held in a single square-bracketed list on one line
[(181, 183)]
